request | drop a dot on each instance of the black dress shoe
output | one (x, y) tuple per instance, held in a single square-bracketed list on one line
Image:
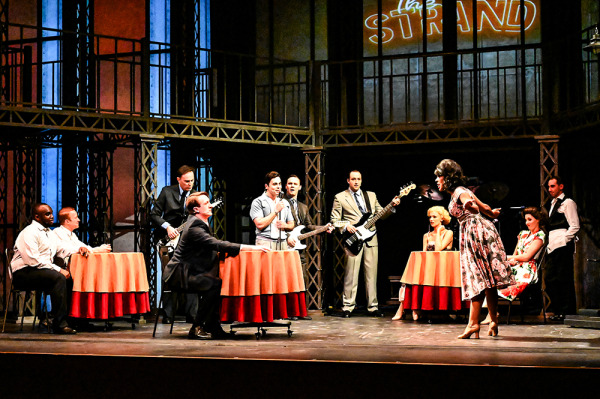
[(346, 314), (198, 333), (166, 320), (294, 318), (221, 334), (65, 330), (376, 313), (557, 317), (305, 318)]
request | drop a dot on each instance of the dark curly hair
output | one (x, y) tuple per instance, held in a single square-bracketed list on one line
[(452, 174), (540, 215)]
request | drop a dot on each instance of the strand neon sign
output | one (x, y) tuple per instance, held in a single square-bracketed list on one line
[(494, 16)]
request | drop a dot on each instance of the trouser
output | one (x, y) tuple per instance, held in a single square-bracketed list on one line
[(368, 257), (560, 281), (51, 282), (209, 303)]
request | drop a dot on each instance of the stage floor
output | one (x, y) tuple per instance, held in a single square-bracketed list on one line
[(331, 338), (327, 340)]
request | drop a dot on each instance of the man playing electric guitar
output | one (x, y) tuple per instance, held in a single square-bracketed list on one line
[(350, 205), (302, 220)]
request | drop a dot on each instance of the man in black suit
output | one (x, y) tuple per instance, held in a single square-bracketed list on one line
[(195, 266), (167, 215)]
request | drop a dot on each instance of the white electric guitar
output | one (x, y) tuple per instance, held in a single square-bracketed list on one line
[(297, 236)]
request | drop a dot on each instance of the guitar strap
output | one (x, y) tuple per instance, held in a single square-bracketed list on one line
[(367, 201)]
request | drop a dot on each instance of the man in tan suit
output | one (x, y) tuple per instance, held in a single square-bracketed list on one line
[(350, 205)]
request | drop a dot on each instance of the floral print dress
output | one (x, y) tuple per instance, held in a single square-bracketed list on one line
[(525, 273), (483, 261)]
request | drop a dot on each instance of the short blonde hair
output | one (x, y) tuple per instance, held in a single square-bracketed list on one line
[(440, 210)]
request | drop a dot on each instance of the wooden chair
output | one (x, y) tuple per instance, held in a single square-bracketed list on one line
[(518, 300), (163, 254)]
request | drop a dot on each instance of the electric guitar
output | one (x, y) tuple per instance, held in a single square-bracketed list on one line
[(172, 243), (298, 229), (353, 243)]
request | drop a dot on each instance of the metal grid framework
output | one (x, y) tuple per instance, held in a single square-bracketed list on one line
[(25, 182), (548, 164), (3, 218), (314, 163), (218, 188), (146, 159), (3, 51), (339, 266)]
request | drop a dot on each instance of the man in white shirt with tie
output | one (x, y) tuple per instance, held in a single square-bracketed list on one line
[(69, 222), (33, 268), (350, 205), (558, 273)]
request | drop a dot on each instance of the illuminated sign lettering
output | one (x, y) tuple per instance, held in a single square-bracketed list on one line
[(498, 16)]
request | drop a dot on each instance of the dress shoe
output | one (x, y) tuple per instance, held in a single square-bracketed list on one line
[(493, 329), (557, 317), (166, 320), (198, 333), (65, 330), (376, 313), (346, 314), (221, 334), (305, 318), (294, 318), (470, 330)]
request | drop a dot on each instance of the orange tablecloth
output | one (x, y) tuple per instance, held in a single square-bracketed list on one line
[(262, 286), (109, 285), (433, 281)]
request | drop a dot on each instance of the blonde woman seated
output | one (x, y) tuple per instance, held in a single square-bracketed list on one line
[(524, 261), (438, 239)]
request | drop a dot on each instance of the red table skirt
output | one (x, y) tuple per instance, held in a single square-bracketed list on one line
[(424, 297), (263, 308), (96, 305)]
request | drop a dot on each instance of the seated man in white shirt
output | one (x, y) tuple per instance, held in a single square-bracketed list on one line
[(69, 221), (33, 268)]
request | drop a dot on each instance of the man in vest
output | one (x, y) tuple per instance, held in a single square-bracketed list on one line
[(564, 224)]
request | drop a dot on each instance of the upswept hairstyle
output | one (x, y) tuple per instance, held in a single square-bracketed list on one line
[(452, 174), (539, 214), (440, 210)]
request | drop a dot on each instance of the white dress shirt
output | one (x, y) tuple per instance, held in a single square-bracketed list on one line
[(561, 237), (36, 246), (69, 240)]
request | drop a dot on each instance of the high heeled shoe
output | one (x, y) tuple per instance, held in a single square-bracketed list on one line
[(399, 314), (493, 329), (473, 330)]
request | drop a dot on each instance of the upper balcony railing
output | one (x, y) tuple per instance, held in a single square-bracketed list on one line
[(55, 69)]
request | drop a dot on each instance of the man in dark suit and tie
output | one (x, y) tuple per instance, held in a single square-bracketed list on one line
[(167, 215), (195, 267), (350, 205), (301, 218)]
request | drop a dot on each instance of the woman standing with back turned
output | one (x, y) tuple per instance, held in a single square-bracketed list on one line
[(483, 263)]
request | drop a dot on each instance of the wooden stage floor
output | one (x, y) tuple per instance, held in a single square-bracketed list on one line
[(356, 356)]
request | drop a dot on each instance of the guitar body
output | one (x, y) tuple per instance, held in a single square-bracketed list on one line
[(353, 243), (295, 233)]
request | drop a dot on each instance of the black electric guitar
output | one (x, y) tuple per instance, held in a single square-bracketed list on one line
[(353, 243), (167, 242)]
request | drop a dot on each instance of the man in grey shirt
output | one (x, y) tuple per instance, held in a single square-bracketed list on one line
[(271, 215)]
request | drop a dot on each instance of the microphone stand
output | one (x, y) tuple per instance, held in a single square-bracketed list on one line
[(279, 245)]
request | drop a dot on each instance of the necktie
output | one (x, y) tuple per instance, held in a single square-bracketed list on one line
[(359, 203), (182, 200), (295, 206)]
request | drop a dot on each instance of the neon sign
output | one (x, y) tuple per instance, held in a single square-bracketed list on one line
[(495, 16)]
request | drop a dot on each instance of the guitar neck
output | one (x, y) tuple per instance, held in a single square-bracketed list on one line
[(378, 215), (312, 233)]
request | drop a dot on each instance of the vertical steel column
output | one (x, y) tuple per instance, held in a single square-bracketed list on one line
[(314, 162), (548, 164), (219, 189), (3, 51), (25, 182), (147, 177), (100, 174), (4, 217)]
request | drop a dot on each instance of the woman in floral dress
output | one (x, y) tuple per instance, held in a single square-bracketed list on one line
[(483, 263)]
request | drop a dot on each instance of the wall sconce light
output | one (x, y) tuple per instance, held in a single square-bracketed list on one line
[(594, 45)]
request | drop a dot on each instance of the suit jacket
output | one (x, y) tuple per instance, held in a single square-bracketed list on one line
[(303, 217), (195, 262), (168, 208), (345, 209)]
